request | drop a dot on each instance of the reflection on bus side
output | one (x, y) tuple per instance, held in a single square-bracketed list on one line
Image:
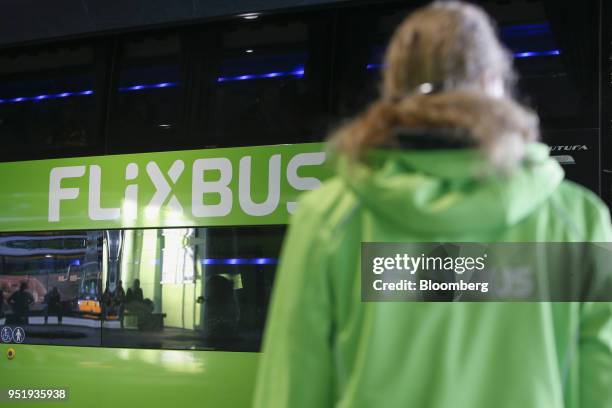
[(173, 288)]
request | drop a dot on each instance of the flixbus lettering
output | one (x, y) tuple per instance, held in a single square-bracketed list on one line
[(255, 185), (167, 194)]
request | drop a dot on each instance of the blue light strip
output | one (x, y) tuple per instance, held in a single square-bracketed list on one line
[(39, 98), (524, 54), (374, 66), (149, 86), (239, 261), (298, 72), (529, 54)]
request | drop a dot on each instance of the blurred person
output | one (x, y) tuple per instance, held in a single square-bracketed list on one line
[(134, 294), (445, 155), (20, 301), (53, 304), (138, 296), (142, 308), (106, 303), (119, 299), (221, 310)]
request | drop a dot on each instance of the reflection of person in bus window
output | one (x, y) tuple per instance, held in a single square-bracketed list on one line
[(221, 312), (445, 155), (106, 302), (142, 308), (134, 294), (119, 301), (20, 301), (53, 304)]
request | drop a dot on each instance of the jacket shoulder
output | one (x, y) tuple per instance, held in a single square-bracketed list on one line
[(587, 214), (329, 204)]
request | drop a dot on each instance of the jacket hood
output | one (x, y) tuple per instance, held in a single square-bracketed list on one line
[(451, 191)]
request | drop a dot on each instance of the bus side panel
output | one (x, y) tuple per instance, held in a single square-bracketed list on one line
[(113, 377)]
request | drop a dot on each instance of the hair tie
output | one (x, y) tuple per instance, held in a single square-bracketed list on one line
[(428, 88)]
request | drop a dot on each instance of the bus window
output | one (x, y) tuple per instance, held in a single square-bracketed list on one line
[(558, 75), (267, 84), (248, 257), (189, 288), (47, 102), (171, 288), (50, 284), (147, 103), (362, 38)]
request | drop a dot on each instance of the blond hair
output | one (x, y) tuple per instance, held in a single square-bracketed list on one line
[(450, 48)]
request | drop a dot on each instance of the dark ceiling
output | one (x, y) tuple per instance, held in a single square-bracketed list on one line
[(26, 21)]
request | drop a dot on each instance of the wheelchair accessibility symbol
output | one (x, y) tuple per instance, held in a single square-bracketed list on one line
[(6, 334), (18, 335)]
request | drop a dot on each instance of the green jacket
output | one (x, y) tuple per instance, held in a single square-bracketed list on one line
[(323, 347)]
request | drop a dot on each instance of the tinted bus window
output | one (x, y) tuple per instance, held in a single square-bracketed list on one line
[(556, 78), (363, 35), (266, 85), (189, 288), (557, 64), (558, 73), (171, 288), (50, 287), (147, 103), (47, 102)]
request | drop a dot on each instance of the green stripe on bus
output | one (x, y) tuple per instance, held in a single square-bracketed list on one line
[(230, 186)]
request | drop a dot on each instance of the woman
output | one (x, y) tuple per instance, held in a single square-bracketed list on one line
[(456, 161)]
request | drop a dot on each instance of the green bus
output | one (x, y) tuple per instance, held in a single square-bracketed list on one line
[(148, 170)]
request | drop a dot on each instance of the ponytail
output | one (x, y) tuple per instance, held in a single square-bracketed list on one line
[(437, 67), (499, 127)]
